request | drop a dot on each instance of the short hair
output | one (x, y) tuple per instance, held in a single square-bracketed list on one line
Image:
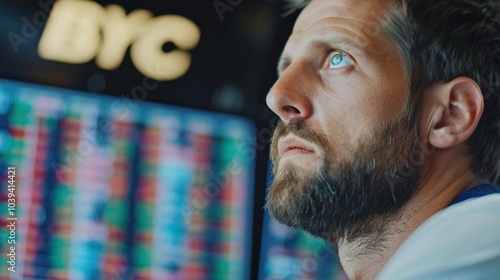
[(440, 40)]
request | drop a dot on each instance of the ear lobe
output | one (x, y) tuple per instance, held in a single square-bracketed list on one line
[(458, 113)]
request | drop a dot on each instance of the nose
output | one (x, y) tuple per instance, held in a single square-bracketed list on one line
[(288, 98)]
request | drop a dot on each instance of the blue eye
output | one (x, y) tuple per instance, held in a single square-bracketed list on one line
[(339, 60)]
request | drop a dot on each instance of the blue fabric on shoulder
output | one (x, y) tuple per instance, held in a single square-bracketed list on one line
[(477, 191)]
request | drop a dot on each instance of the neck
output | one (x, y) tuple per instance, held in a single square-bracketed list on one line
[(364, 258)]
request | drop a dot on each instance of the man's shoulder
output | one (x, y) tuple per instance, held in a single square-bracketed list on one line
[(459, 242)]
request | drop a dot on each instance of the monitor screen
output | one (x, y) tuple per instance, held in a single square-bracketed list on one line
[(114, 188)]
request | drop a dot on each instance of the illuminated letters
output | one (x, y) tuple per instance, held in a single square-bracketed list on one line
[(73, 35), (147, 52), (72, 32), (119, 32)]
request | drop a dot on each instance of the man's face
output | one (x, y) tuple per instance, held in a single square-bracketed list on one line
[(342, 151)]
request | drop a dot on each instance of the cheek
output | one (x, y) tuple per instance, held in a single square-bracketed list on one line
[(351, 107), (355, 117), (336, 123), (381, 99)]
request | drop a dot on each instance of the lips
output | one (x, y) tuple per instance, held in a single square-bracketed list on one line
[(293, 145)]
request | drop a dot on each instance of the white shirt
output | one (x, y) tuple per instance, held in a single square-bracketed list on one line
[(461, 242)]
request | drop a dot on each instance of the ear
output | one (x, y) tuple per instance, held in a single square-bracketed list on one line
[(455, 110)]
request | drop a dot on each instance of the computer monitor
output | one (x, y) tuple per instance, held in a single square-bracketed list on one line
[(115, 188)]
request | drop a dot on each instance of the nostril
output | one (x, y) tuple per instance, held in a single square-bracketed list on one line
[(290, 109)]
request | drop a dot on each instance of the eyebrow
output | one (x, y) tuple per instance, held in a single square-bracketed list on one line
[(333, 43)]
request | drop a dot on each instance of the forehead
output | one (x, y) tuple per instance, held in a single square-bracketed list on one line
[(354, 9), (354, 21)]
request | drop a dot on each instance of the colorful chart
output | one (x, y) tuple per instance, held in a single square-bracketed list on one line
[(115, 188)]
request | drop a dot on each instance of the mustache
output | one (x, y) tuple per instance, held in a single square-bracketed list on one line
[(300, 129)]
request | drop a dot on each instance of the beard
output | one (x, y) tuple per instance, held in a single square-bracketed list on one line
[(355, 196)]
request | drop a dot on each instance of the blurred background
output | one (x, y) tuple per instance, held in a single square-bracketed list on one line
[(139, 135)]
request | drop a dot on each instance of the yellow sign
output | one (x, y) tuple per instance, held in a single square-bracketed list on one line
[(73, 35)]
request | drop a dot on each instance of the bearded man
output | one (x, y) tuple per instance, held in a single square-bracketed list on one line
[(389, 136)]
